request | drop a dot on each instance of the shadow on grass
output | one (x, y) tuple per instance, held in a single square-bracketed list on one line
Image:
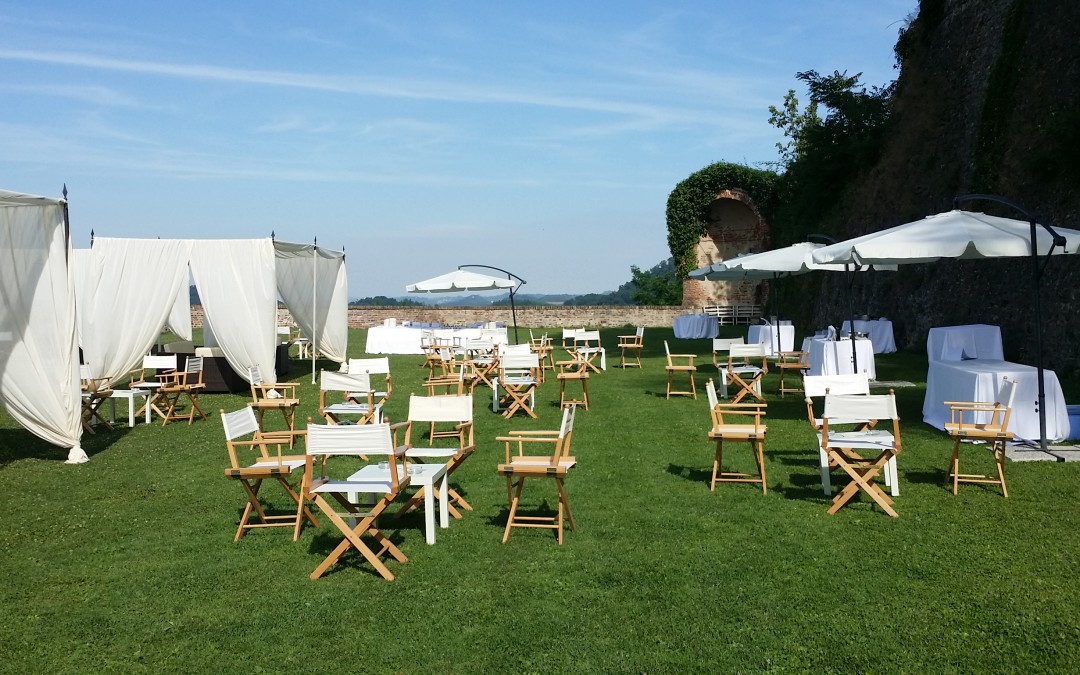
[(325, 542), (791, 457), (19, 444), (806, 488), (694, 474)]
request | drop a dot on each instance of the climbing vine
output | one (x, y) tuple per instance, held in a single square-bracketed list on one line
[(690, 199)]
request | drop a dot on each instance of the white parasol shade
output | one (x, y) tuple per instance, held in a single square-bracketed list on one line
[(460, 280), (954, 234), (775, 264), (965, 235)]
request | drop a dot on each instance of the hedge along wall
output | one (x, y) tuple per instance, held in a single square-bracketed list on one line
[(689, 202), (555, 316)]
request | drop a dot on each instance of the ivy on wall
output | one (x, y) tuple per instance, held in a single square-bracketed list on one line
[(688, 202)]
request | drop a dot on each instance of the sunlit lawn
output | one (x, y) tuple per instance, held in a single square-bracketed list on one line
[(127, 563)]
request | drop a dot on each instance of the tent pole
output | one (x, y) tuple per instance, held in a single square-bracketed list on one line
[(1036, 273), (314, 301)]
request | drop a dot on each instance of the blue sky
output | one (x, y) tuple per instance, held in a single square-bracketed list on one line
[(543, 138)]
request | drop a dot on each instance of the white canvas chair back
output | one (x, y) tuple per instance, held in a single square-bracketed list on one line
[(239, 423), (334, 381), (255, 375), (722, 344), (372, 366), (710, 392), (441, 408), (860, 406), (353, 440), (159, 362), (1005, 398), (85, 374), (194, 365), (741, 352), (819, 385), (519, 363), (506, 350)]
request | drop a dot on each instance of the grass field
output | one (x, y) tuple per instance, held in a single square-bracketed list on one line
[(127, 563)]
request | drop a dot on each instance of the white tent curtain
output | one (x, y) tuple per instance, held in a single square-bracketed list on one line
[(39, 375), (236, 282), (313, 285), (179, 321), (129, 287)]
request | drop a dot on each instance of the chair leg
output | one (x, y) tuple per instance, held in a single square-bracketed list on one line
[(514, 500), (716, 463), (759, 457), (565, 501), (999, 460)]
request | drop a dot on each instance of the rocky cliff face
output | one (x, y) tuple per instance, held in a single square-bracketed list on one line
[(988, 100)]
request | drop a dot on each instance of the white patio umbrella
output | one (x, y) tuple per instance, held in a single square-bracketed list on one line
[(777, 264), (964, 235), (464, 280)]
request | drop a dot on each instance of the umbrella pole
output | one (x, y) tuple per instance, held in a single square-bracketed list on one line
[(851, 323), (1036, 273), (1041, 403)]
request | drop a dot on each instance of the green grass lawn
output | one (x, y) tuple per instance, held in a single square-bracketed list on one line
[(127, 563)]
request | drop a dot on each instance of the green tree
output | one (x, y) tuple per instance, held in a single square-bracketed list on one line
[(658, 286), (794, 125)]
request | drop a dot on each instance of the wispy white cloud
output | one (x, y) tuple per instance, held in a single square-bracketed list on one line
[(369, 86), (97, 95)]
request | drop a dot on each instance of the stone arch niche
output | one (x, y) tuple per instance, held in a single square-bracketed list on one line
[(733, 226)]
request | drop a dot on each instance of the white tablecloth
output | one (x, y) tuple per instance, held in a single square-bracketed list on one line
[(695, 326), (980, 379), (833, 357), (879, 332), (954, 343), (771, 336), (406, 340)]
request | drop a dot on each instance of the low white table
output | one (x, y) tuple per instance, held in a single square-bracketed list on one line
[(772, 337), (833, 357), (130, 395), (980, 380), (879, 331), (425, 476)]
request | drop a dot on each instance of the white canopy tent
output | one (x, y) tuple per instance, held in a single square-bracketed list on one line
[(313, 285), (39, 371), (133, 287)]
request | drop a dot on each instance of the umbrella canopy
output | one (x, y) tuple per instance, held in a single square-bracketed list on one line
[(953, 234), (460, 280), (965, 235), (775, 264)]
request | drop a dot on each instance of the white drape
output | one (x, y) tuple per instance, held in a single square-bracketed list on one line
[(130, 288), (313, 285), (39, 375), (179, 321), (236, 283)]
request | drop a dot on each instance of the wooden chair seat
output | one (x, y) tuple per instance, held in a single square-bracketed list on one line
[(520, 465), (981, 422)]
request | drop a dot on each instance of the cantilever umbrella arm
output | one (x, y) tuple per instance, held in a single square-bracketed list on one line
[(1036, 271), (511, 276)]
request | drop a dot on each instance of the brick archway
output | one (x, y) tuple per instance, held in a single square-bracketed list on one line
[(734, 226)]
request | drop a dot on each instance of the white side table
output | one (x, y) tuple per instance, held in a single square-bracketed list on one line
[(130, 395)]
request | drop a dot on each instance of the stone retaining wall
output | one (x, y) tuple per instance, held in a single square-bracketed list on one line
[(554, 316)]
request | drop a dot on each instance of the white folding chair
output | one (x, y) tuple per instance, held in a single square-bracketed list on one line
[(380, 484), (862, 454), (817, 386)]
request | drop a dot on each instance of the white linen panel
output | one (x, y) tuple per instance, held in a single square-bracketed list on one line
[(313, 285), (39, 373), (236, 283), (179, 321), (131, 287)]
